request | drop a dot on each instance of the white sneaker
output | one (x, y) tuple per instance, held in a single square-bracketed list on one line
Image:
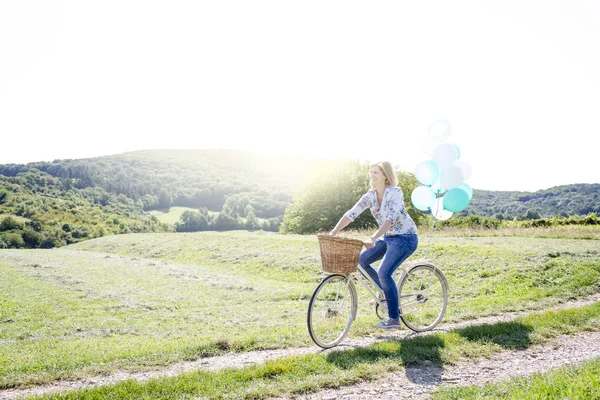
[(389, 323)]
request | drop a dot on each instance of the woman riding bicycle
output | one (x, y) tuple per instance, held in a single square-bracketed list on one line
[(394, 241)]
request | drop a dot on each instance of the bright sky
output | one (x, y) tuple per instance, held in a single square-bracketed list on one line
[(518, 81)]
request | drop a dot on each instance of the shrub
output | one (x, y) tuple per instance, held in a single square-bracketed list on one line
[(13, 239), (9, 224)]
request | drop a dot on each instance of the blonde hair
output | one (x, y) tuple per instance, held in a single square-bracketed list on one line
[(388, 172)]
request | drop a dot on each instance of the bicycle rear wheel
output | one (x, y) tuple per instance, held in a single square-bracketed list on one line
[(331, 310), (422, 297), (381, 310)]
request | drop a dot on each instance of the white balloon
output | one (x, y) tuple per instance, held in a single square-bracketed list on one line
[(428, 146), (438, 212), (437, 187), (445, 154), (439, 130), (451, 176), (466, 168)]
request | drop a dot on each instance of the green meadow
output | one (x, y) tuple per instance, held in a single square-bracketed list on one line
[(170, 215), (142, 301), (306, 373)]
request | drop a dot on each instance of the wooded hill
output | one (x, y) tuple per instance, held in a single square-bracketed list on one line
[(65, 201), (190, 178), (565, 200)]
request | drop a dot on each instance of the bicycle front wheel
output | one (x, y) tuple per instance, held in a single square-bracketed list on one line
[(422, 297), (331, 310)]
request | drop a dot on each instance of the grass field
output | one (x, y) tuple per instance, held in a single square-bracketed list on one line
[(300, 374), (141, 301), (588, 232), (171, 215)]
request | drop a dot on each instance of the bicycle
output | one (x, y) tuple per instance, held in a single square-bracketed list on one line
[(422, 293)]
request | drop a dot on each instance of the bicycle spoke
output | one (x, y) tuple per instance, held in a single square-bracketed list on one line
[(422, 299), (331, 310)]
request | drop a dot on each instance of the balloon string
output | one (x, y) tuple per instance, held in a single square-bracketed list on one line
[(429, 241)]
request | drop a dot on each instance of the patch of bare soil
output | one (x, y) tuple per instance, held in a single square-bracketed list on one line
[(415, 382)]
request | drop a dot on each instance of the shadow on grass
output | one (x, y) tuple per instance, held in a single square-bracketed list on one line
[(409, 351), (420, 354), (510, 335)]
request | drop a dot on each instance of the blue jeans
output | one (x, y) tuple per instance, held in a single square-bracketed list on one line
[(394, 250)]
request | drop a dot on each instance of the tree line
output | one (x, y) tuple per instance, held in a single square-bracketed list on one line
[(564, 200), (41, 211), (189, 178), (51, 204)]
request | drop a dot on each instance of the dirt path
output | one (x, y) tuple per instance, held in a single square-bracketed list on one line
[(417, 381)]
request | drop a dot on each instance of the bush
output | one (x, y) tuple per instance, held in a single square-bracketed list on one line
[(13, 240), (590, 219), (9, 224), (32, 239), (225, 222), (192, 221), (472, 221)]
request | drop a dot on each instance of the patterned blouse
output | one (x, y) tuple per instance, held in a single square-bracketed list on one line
[(393, 210)]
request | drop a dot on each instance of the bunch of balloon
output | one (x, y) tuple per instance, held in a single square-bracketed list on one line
[(443, 190)]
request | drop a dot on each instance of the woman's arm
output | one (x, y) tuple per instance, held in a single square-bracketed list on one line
[(342, 223), (351, 214), (381, 231)]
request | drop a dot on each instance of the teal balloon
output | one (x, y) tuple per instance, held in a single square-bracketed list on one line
[(422, 198), (457, 153), (467, 189), (456, 200), (427, 172)]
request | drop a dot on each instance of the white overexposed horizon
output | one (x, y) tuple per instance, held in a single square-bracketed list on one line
[(518, 81)]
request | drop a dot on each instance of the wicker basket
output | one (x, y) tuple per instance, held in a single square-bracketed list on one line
[(339, 255)]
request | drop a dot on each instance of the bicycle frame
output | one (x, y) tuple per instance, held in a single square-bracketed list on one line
[(361, 276), (408, 279)]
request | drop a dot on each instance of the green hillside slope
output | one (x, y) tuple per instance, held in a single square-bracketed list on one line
[(66, 201), (576, 199)]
